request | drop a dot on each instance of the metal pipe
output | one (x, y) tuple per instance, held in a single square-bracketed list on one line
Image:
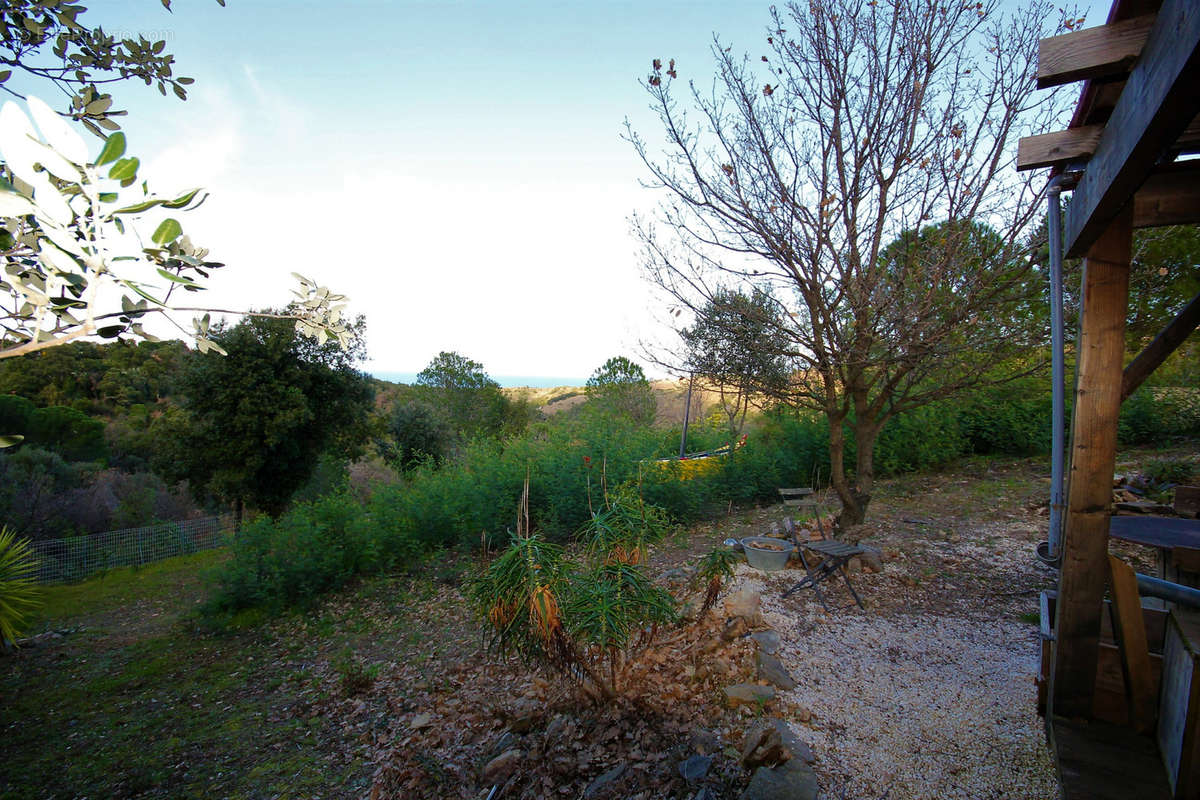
[(1174, 592), (687, 413), (1051, 553)]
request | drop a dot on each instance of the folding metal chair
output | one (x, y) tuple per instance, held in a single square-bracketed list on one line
[(833, 554)]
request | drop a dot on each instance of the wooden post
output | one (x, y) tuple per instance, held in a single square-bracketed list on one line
[(1084, 573)]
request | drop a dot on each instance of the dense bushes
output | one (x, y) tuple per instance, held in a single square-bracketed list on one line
[(319, 545), (1151, 415), (42, 496), (313, 548)]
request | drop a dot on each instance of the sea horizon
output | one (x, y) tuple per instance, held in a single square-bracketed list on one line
[(507, 381)]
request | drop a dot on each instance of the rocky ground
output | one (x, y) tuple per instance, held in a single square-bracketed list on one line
[(928, 692)]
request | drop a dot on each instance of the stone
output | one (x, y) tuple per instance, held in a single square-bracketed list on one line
[(749, 694), (763, 746), (604, 780), (771, 669), (735, 627), (791, 780), (768, 641), (745, 603), (502, 766), (691, 608), (423, 720), (854, 565), (793, 743), (704, 742), (694, 767), (872, 559), (772, 742), (674, 577), (524, 717)]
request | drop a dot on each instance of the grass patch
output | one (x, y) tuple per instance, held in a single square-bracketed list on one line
[(137, 699), (124, 586)]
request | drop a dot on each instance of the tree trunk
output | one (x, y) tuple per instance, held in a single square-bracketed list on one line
[(865, 434), (238, 509), (837, 463), (856, 495)]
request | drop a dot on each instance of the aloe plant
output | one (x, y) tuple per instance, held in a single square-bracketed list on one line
[(583, 620), (19, 592)]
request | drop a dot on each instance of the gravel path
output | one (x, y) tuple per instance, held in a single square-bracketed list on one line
[(930, 692)]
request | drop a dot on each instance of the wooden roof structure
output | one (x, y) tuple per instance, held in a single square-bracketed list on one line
[(1124, 154)]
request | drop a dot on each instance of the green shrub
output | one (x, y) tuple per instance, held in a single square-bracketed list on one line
[(1011, 420), (313, 548), (1152, 414), (1171, 470)]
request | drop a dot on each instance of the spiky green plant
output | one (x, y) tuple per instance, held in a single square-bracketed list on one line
[(583, 621), (624, 528), (713, 570), (613, 611), (518, 593), (19, 593)]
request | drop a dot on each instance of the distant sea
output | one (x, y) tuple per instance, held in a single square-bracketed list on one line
[(536, 381)]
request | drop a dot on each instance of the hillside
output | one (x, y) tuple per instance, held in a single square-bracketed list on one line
[(670, 395)]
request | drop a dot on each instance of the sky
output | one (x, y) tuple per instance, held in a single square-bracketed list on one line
[(456, 168)]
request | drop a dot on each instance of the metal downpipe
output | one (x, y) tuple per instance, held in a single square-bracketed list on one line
[(1051, 551)]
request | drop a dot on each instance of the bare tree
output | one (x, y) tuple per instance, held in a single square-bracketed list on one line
[(866, 121)]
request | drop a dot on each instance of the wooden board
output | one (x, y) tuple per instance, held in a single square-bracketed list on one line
[(1156, 105), (1131, 637), (1154, 205), (1100, 52), (1178, 737), (1098, 761), (1171, 196), (1187, 499), (1108, 703), (1156, 531), (1059, 147), (1165, 343)]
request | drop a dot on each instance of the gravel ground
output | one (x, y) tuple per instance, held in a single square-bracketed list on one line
[(930, 692)]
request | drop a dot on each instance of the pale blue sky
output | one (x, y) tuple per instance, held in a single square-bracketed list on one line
[(456, 168)]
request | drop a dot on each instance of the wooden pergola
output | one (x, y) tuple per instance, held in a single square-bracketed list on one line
[(1124, 155)]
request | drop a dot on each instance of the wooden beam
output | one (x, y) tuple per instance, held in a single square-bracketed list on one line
[(1158, 102), (1078, 144), (1171, 196), (1129, 629), (1167, 342), (1101, 52), (1084, 573), (1059, 147)]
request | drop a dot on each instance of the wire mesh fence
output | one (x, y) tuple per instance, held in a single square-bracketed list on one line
[(76, 558)]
